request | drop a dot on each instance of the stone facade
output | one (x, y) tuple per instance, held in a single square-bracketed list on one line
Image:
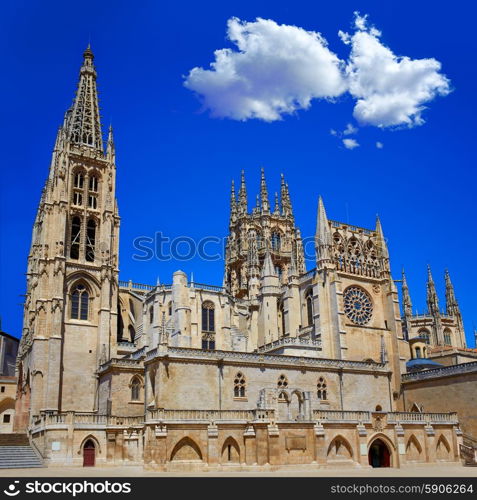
[(278, 366)]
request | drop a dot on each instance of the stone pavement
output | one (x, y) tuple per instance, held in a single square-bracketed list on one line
[(440, 470)]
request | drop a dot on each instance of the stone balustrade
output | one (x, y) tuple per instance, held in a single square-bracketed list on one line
[(289, 341), (426, 418), (445, 371), (162, 414), (341, 416)]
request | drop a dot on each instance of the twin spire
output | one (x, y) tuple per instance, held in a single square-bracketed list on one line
[(239, 205)]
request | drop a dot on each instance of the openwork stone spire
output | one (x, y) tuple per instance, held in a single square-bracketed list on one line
[(452, 307), (432, 298), (84, 124), (264, 192)]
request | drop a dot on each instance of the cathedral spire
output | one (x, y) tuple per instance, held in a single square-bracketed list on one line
[(407, 307), (432, 298), (285, 198), (110, 148), (380, 238), (323, 236), (452, 307), (84, 124), (233, 203), (243, 195), (264, 192), (406, 297)]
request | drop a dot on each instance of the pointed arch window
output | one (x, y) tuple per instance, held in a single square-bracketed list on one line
[(208, 317), (79, 303), (90, 240), (135, 389), (79, 180), (75, 237), (321, 389), (309, 306), (239, 386), (447, 337), (276, 241), (151, 315), (93, 183)]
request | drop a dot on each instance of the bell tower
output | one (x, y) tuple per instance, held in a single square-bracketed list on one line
[(70, 310)]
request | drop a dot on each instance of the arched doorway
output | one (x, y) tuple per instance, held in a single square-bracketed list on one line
[(89, 453), (379, 455)]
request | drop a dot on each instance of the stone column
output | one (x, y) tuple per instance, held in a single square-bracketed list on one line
[(273, 444), (262, 444), (430, 442), (362, 457), (159, 455), (320, 441), (250, 446), (212, 446)]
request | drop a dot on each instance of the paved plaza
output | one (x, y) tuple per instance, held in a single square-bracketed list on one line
[(440, 470)]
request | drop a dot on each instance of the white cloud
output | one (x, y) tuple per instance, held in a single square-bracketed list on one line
[(350, 130), (390, 90), (350, 143), (333, 132), (277, 69), (379, 145)]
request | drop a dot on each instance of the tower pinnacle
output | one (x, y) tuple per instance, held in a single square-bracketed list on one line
[(84, 123), (323, 236), (264, 192)]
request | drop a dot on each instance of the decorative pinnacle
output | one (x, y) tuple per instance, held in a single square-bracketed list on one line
[(264, 192), (277, 204)]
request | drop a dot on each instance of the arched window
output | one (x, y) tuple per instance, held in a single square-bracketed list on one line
[(90, 240), (79, 180), (151, 315), (132, 334), (169, 308), (93, 184), (418, 352), (77, 198), (75, 237), (276, 241), (208, 317), (79, 302), (425, 335), (279, 272), (309, 306), (447, 337), (321, 389), (135, 389), (282, 382), (239, 386)]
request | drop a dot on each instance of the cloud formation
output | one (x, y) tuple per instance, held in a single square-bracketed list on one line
[(390, 90), (279, 69), (350, 143)]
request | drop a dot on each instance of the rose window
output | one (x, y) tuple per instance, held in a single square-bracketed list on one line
[(357, 305)]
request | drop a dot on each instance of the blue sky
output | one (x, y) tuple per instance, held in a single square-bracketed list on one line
[(175, 161)]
